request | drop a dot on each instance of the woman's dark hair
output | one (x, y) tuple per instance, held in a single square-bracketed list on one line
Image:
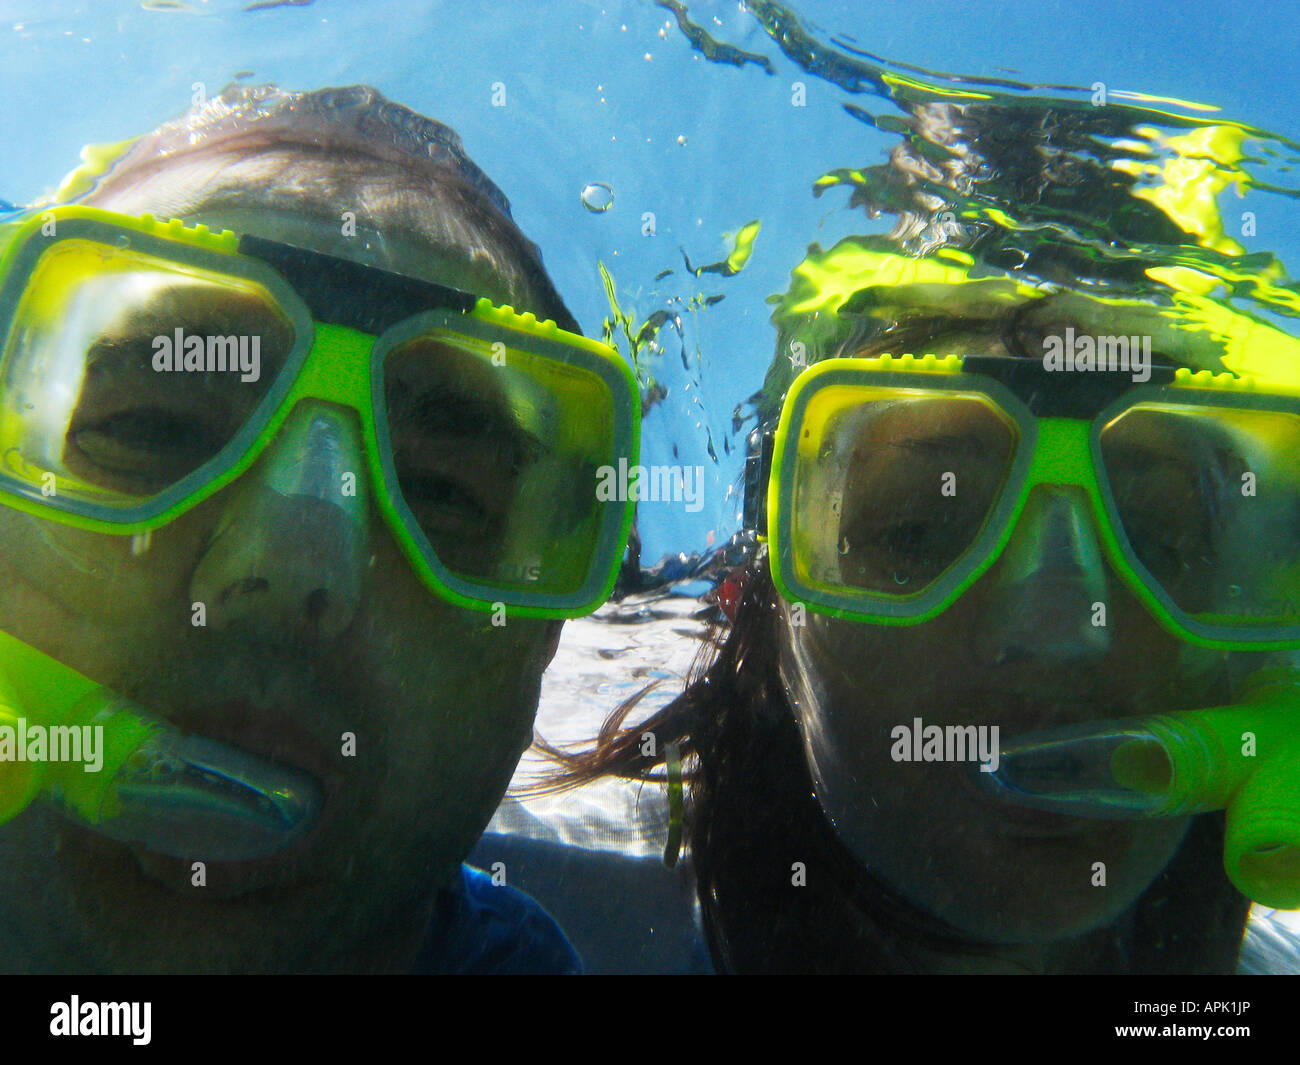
[(752, 814)]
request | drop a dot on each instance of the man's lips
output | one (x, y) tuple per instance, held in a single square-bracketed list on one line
[(272, 734), (275, 733)]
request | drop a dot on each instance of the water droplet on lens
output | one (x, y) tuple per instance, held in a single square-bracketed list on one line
[(597, 197)]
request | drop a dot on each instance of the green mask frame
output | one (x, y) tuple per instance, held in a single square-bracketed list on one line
[(528, 532), (1059, 429)]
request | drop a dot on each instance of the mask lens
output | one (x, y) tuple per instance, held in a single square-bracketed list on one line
[(497, 452), (892, 487), (124, 374), (1208, 499)]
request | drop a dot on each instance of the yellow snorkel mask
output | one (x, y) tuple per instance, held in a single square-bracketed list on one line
[(492, 501)]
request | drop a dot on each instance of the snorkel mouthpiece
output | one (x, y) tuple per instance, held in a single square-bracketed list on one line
[(147, 783), (191, 797), (1244, 759)]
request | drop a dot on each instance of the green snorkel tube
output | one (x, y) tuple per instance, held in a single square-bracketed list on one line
[(135, 778), (68, 701), (1244, 759)]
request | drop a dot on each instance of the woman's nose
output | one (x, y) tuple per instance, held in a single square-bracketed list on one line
[(289, 551), (1046, 597)]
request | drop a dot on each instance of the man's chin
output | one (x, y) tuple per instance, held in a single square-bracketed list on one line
[(153, 913)]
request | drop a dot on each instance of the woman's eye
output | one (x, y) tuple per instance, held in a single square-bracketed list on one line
[(907, 537), (1157, 555), (1164, 556)]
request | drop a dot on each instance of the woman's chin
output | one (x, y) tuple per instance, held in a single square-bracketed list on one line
[(1046, 888)]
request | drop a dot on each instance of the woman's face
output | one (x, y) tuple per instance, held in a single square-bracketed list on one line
[(1021, 651)]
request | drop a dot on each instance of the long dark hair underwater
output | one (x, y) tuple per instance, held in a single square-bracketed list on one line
[(1020, 195), (752, 814)]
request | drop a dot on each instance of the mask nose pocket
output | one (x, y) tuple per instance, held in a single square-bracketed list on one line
[(1048, 593), (292, 544)]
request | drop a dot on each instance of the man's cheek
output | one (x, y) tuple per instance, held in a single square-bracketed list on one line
[(98, 578), (442, 781)]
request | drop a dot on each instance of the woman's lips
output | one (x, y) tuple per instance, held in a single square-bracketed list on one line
[(1023, 713), (1018, 820)]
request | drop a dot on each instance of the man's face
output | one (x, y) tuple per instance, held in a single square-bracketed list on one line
[(410, 712)]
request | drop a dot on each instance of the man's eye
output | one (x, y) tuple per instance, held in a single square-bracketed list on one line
[(433, 490), (150, 447), (146, 430)]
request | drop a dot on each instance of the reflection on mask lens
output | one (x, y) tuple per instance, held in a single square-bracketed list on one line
[(497, 459), (124, 373), (891, 492)]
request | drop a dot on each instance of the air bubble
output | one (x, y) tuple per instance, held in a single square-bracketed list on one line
[(597, 198)]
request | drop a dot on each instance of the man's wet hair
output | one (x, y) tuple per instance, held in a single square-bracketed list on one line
[(374, 148)]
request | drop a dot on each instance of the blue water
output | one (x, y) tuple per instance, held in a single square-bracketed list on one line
[(615, 93)]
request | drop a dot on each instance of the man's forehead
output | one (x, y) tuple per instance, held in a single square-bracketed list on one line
[(369, 212)]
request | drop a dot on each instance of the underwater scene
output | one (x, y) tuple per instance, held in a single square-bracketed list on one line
[(648, 487)]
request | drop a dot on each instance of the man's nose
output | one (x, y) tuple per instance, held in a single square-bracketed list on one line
[(290, 550), (1046, 598)]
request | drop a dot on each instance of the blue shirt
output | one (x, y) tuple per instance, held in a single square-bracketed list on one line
[(481, 927)]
